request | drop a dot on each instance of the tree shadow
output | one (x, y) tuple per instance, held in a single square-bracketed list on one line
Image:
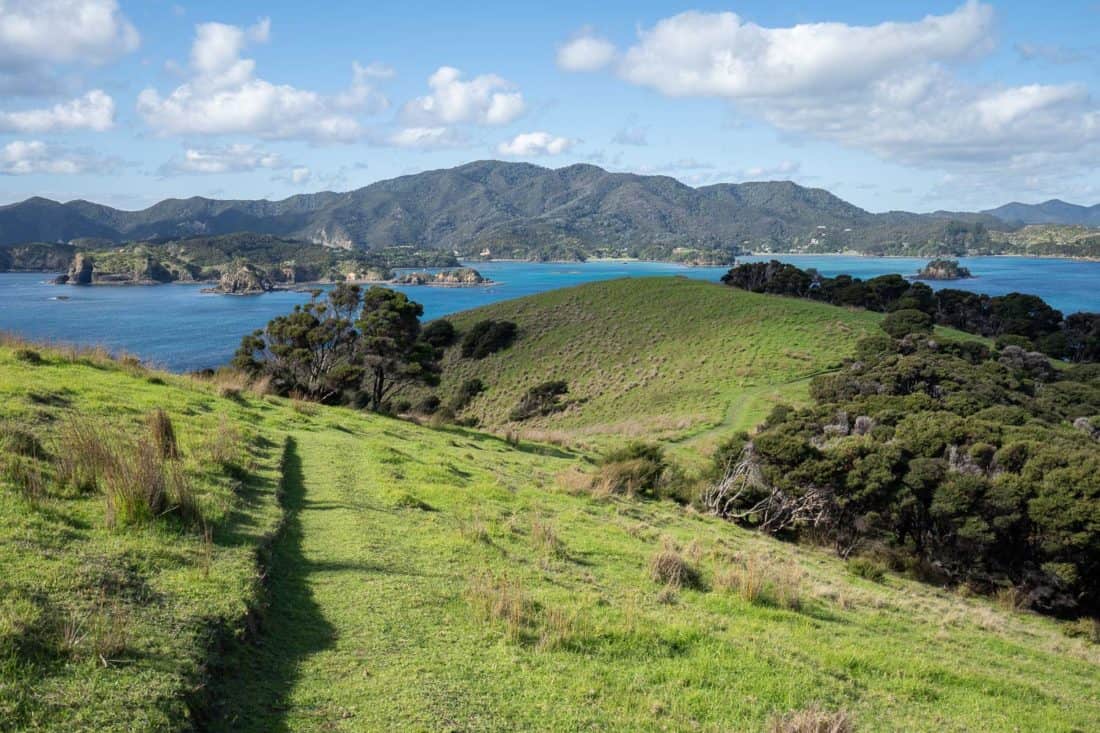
[(251, 691)]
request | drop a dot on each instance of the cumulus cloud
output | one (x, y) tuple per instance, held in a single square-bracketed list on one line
[(426, 138), (238, 158), (535, 143), (224, 95), (63, 31), (586, 52), (26, 157), (484, 100), (885, 88), (720, 54), (93, 111)]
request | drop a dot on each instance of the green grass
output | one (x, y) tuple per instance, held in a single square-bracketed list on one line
[(110, 629), (377, 618), (446, 580), (654, 357)]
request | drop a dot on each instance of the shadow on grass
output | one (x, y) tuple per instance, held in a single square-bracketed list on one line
[(252, 690)]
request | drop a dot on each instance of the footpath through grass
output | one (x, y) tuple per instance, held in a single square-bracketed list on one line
[(433, 580)]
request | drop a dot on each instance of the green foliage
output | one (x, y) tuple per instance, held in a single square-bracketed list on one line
[(350, 347), (1027, 320), (906, 321), (971, 465), (440, 333), (488, 337), (542, 399)]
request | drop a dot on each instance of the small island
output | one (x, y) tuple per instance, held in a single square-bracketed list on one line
[(943, 269), (457, 278)]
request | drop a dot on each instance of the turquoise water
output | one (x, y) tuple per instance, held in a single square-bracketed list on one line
[(179, 328)]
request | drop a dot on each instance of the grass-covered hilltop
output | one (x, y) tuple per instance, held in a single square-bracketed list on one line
[(646, 504)]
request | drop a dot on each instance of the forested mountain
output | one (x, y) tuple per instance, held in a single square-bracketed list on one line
[(1048, 212), (518, 209)]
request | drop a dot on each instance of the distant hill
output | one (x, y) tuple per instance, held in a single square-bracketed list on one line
[(1048, 212), (523, 210)]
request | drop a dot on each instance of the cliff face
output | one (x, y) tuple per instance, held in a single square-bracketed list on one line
[(135, 270), (244, 279)]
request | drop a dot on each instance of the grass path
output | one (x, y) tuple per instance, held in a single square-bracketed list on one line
[(369, 627)]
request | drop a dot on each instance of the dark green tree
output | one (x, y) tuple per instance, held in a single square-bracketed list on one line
[(390, 348)]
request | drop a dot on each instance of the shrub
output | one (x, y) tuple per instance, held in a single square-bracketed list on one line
[(29, 356), (429, 405), (867, 568), (906, 321), (541, 399), (488, 337), (467, 391), (669, 568), (163, 434), (636, 468), (439, 333)]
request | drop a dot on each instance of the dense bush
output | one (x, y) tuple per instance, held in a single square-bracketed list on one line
[(635, 469), (1020, 319), (467, 391), (488, 337), (541, 399), (976, 467), (906, 321), (440, 333)]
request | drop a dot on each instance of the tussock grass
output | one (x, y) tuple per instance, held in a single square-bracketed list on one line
[(813, 720), (668, 567), (758, 579)]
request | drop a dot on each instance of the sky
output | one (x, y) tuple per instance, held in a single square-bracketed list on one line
[(919, 106)]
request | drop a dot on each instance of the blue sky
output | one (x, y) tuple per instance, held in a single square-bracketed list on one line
[(900, 105)]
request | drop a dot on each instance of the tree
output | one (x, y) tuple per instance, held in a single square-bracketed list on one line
[(311, 351), (390, 347), (906, 321)]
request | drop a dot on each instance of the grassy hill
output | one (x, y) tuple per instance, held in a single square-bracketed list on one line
[(663, 358), (445, 580)]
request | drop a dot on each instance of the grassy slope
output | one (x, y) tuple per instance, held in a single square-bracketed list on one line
[(70, 585), (656, 357), (373, 623)]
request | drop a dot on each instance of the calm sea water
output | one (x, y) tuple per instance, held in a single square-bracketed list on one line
[(179, 328)]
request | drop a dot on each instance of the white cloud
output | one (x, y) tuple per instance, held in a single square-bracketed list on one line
[(586, 52), (631, 135), (719, 54), (485, 100), (26, 157), (300, 176), (224, 96), (884, 88), (93, 111), (428, 138), (782, 169), (63, 31), (535, 143), (238, 158)]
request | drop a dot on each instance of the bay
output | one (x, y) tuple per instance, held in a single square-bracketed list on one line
[(179, 328)]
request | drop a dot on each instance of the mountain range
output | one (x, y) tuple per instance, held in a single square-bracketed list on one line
[(519, 209)]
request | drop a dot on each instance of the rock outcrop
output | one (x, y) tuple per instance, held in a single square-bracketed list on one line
[(943, 270), (462, 277), (244, 279), (80, 271)]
